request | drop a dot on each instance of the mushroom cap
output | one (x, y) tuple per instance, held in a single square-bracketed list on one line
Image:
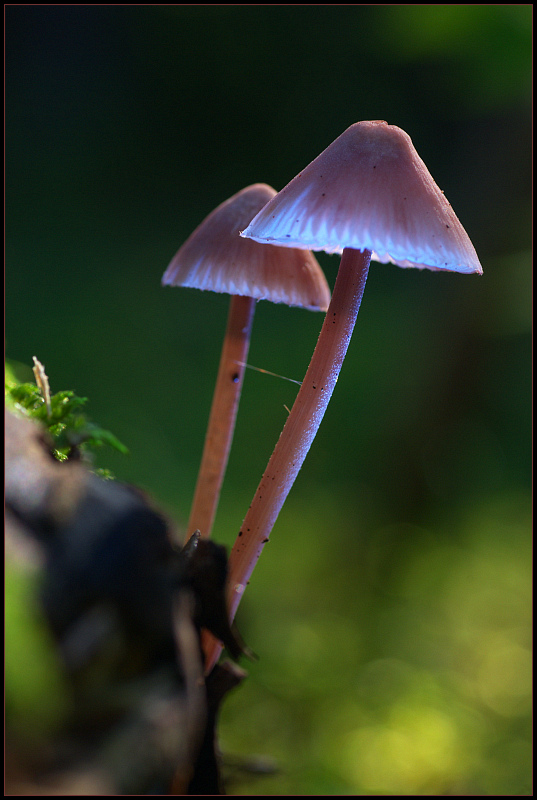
[(369, 190), (216, 258)]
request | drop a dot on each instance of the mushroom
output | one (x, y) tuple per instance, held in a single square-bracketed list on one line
[(215, 257), (368, 195)]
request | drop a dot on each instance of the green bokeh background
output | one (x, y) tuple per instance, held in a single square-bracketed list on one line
[(391, 610)]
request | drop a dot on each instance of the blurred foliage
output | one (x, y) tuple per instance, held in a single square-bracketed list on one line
[(391, 611), (36, 696)]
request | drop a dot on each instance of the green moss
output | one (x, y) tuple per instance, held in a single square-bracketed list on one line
[(73, 434)]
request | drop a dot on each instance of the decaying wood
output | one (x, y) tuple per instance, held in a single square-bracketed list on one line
[(125, 609)]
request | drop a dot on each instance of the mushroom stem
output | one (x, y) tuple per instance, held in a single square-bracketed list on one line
[(299, 430), (222, 416)]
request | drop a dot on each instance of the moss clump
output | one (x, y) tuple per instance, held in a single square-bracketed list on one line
[(73, 434)]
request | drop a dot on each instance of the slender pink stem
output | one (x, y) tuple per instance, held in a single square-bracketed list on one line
[(299, 430), (222, 416)]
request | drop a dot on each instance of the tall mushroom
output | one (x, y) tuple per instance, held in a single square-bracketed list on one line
[(215, 257), (368, 195)]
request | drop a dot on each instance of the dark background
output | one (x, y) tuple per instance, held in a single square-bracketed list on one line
[(391, 611)]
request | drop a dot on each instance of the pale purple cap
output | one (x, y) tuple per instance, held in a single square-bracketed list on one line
[(216, 258), (369, 190)]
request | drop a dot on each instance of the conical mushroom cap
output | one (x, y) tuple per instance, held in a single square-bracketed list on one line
[(369, 190), (215, 257)]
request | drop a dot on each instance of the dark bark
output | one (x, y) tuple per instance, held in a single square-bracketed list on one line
[(125, 608)]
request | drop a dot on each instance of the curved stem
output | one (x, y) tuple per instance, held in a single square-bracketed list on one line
[(223, 414), (299, 430)]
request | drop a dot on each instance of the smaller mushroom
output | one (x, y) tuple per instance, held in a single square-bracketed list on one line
[(215, 257), (368, 196)]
